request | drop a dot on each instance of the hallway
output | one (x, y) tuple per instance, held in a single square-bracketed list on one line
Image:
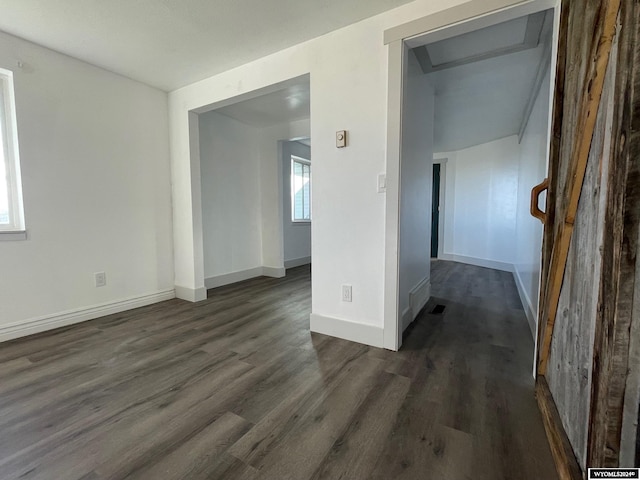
[(471, 399)]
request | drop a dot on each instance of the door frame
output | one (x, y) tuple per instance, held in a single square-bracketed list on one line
[(438, 229), (464, 18), (442, 161)]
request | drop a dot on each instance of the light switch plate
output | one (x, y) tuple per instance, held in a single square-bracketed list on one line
[(382, 182), (346, 293), (341, 138)]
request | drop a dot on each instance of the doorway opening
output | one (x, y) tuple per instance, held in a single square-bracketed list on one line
[(435, 211), (475, 115), (297, 168), (245, 154)]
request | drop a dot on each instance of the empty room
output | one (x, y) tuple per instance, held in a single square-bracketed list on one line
[(219, 255)]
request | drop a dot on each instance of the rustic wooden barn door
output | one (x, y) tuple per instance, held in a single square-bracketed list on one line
[(590, 243)]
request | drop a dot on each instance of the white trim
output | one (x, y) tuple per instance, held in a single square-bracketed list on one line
[(233, 277), (297, 262), (479, 262), (392, 325), (11, 152), (13, 235), (299, 159), (191, 294), (197, 292), (241, 275), (305, 162), (526, 302), (466, 17), (275, 272), (419, 296), (347, 330), (70, 317)]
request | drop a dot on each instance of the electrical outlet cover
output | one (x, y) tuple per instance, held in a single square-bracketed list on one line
[(346, 293)]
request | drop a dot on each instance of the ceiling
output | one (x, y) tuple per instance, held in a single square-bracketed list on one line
[(172, 43), (478, 42), (506, 37), (481, 102), (483, 80), (282, 106)]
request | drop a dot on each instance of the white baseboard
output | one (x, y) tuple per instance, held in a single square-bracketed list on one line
[(297, 262), (347, 330), (62, 319), (233, 277), (191, 294), (526, 302), (239, 276), (275, 272), (479, 262), (419, 296)]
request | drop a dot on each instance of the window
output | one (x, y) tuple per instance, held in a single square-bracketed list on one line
[(300, 189), (11, 213)]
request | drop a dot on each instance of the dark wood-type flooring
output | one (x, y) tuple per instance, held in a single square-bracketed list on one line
[(237, 388)]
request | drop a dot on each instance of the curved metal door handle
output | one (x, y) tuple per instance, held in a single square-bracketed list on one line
[(535, 198)]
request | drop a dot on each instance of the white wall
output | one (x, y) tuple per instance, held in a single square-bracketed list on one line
[(271, 186), (481, 198), (242, 187), (415, 188), (532, 170), (96, 183), (231, 207), (296, 235), (348, 91)]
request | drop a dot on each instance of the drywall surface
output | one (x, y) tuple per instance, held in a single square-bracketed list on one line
[(348, 91), (272, 186), (231, 207), (242, 195), (415, 183), (296, 235), (481, 197), (533, 167), (96, 184), (483, 101)]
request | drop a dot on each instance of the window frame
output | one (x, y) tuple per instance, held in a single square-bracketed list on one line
[(15, 230), (302, 161)]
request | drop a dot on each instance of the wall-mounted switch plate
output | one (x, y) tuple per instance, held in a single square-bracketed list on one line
[(346, 293), (382, 182), (101, 279), (341, 139)]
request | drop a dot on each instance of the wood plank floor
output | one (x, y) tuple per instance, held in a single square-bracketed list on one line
[(237, 388)]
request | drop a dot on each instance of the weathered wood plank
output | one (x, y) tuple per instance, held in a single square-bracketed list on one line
[(571, 352), (615, 305), (566, 463), (589, 104)]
